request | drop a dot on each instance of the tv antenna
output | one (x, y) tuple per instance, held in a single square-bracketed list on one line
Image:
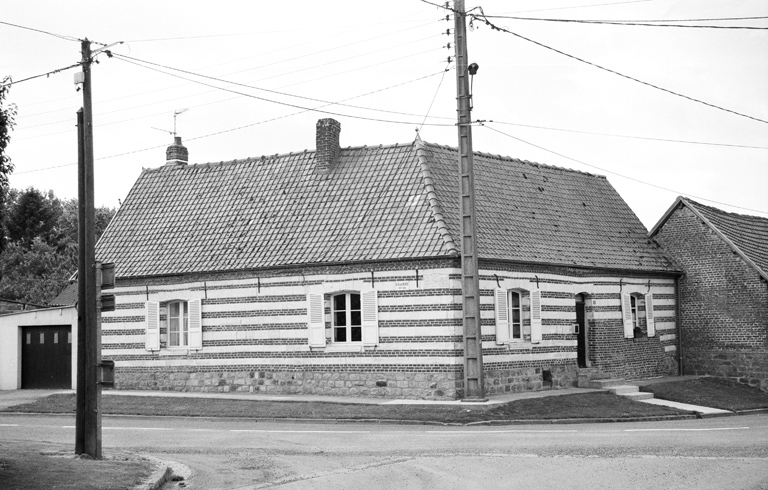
[(175, 114)]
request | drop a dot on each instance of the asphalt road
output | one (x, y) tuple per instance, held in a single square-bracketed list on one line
[(716, 453)]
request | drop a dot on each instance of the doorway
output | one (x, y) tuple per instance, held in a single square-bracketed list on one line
[(581, 330), (46, 357)]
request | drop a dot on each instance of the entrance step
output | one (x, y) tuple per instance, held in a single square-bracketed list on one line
[(604, 384), (638, 395)]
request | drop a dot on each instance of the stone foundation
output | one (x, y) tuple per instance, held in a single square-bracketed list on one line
[(428, 386), (515, 380), (749, 367)]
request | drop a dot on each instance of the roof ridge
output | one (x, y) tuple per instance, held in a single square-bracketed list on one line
[(519, 160), (434, 203)]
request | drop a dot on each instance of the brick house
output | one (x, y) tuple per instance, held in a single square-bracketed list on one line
[(724, 292), (337, 271)]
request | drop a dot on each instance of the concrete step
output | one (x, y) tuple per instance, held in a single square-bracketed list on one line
[(639, 395), (623, 389), (605, 383)]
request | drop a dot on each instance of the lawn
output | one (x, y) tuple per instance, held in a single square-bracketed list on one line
[(25, 465), (599, 405), (711, 392)]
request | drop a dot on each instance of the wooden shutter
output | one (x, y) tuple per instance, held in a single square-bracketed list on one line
[(626, 315), (316, 319), (370, 314), (195, 324), (536, 316), (650, 324), (502, 317), (152, 324)]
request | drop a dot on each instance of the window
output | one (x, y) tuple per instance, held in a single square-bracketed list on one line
[(637, 314), (178, 324), (347, 318), (518, 316), (183, 323)]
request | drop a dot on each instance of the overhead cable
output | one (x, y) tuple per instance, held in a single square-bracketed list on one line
[(622, 175), (501, 29), (60, 36), (52, 72), (630, 23)]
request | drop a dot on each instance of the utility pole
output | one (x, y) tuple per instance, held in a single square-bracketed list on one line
[(88, 421), (470, 282)]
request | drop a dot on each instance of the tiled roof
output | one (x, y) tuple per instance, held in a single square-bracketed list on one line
[(68, 297), (539, 213), (748, 233), (378, 203)]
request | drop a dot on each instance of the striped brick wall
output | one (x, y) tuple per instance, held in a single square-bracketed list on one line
[(255, 332)]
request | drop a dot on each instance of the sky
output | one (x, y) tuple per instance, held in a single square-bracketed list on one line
[(251, 78)]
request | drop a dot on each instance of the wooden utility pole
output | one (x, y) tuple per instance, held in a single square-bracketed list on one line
[(470, 282), (88, 421)]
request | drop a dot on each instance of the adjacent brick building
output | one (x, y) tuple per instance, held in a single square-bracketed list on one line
[(724, 292), (337, 271)]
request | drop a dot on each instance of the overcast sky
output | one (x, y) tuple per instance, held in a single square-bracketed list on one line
[(389, 60)]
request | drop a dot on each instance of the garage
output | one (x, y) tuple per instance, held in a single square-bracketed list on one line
[(46, 357)]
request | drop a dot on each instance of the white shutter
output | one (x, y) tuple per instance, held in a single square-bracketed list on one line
[(195, 324), (370, 314), (649, 315), (502, 317), (316, 319), (626, 315), (152, 324), (536, 316)]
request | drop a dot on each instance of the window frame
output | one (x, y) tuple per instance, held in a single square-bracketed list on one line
[(350, 327), (183, 325), (510, 315)]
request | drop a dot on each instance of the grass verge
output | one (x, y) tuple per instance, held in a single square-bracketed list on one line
[(711, 392), (597, 405), (25, 465)]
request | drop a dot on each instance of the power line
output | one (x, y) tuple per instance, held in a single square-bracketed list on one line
[(60, 36), (622, 175), (501, 29), (631, 23), (429, 109), (52, 72), (668, 140)]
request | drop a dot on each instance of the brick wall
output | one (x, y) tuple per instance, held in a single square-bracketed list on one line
[(723, 303)]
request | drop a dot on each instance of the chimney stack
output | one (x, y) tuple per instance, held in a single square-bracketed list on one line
[(176, 154), (327, 150)]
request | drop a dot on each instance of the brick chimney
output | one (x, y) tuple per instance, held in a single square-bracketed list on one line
[(327, 150), (176, 154)]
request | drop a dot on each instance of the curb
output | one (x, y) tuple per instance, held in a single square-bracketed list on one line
[(157, 479)]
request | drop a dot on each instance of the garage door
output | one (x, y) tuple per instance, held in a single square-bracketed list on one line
[(46, 357)]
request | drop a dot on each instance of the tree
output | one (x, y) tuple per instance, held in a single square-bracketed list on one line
[(7, 116), (30, 215), (34, 274)]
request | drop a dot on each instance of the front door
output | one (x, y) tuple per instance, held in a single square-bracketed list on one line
[(46, 357), (582, 331)]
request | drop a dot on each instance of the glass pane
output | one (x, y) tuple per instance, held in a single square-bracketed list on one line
[(355, 318), (339, 334), (516, 315), (340, 318), (357, 334), (354, 301), (514, 301), (42, 338), (173, 325), (340, 302), (29, 338), (69, 337), (55, 337), (173, 339), (516, 331)]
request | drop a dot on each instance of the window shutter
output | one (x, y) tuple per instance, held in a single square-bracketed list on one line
[(649, 315), (370, 305), (502, 317), (195, 324), (316, 319), (626, 315), (152, 324), (536, 316)]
